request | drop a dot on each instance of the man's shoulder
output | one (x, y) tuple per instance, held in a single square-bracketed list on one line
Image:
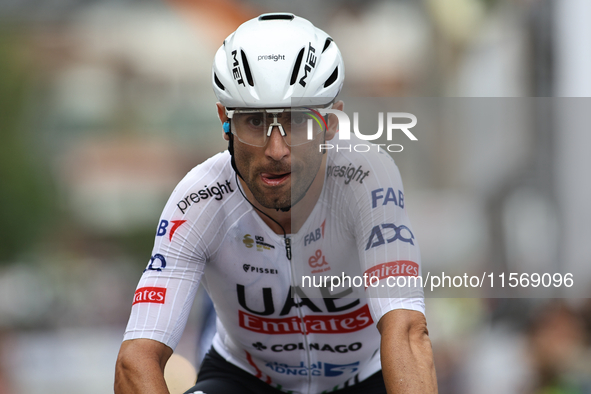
[(352, 168), (212, 180)]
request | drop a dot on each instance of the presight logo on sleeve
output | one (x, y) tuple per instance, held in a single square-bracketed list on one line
[(350, 173), (207, 192)]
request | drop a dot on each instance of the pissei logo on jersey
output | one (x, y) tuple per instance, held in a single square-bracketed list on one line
[(259, 270), (258, 241)]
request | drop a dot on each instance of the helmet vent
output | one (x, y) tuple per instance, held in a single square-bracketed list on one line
[(296, 67), (246, 68), (274, 17), (217, 82), (332, 78), (326, 44)]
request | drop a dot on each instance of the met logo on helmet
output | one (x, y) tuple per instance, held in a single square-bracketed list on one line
[(310, 63), (236, 69)]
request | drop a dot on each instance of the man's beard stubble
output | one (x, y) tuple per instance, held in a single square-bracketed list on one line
[(303, 173)]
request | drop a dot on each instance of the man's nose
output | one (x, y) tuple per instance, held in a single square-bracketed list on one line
[(276, 147)]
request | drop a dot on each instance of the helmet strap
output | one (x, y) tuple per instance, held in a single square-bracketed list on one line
[(226, 127)]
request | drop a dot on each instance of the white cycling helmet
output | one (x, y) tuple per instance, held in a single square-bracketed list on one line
[(273, 58)]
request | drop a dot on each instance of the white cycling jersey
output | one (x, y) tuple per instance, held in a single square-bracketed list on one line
[(319, 340)]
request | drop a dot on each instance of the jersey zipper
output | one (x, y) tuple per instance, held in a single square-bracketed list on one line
[(299, 312)]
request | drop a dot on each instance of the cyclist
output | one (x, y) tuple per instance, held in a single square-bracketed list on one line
[(252, 222)]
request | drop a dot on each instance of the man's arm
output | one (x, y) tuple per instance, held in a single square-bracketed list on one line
[(407, 357), (140, 367)]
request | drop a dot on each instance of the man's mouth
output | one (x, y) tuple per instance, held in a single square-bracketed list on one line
[(275, 179)]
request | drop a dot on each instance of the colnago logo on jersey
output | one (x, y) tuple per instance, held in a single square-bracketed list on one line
[(316, 369), (350, 173), (376, 238), (258, 240), (152, 295), (218, 191), (290, 347)]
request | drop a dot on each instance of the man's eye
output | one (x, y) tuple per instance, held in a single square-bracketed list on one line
[(298, 119), (256, 122)]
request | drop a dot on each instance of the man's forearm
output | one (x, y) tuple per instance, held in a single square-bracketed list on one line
[(150, 380), (140, 369), (407, 359)]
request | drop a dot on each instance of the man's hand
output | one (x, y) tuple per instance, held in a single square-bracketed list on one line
[(140, 367), (407, 357)]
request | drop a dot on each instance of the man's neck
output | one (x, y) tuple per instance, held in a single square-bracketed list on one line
[(292, 220)]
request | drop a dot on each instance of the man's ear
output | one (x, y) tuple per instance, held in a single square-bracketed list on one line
[(332, 121), (223, 118)]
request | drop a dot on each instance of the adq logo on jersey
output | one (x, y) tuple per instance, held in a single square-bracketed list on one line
[(401, 233), (392, 124)]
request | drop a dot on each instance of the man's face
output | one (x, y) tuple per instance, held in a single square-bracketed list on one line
[(278, 175)]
